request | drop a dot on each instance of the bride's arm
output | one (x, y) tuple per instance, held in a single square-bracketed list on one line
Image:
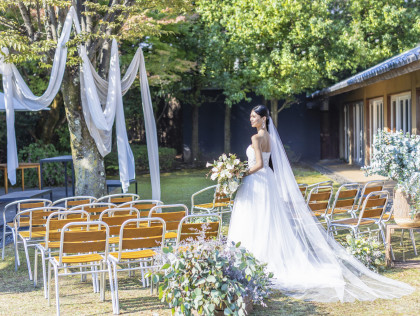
[(256, 144)]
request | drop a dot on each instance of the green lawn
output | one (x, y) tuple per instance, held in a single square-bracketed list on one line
[(19, 297)]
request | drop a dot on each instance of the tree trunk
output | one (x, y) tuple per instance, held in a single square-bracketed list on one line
[(274, 111), (51, 119), (89, 165), (194, 141), (227, 129)]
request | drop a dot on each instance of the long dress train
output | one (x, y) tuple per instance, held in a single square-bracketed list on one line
[(270, 219)]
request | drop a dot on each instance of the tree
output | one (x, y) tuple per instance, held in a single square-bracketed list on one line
[(30, 31), (284, 48)]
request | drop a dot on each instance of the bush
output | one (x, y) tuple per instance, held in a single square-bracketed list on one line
[(141, 159), (208, 275), (52, 174)]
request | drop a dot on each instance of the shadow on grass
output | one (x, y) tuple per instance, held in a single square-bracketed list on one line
[(280, 304)]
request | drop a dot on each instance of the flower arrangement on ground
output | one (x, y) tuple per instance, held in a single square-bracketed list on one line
[(366, 250), (211, 275), (228, 171), (397, 156)]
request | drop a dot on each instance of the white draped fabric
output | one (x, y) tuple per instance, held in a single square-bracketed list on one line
[(101, 103)]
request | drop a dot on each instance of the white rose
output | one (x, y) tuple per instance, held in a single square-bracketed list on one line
[(229, 166), (236, 161)]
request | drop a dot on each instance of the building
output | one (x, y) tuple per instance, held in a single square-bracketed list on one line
[(384, 96)]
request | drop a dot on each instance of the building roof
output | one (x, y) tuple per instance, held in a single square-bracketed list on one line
[(406, 62)]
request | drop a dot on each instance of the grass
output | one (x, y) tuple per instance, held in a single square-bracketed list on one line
[(19, 297)]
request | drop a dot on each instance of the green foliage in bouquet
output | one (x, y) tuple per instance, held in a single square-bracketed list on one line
[(366, 250), (210, 275)]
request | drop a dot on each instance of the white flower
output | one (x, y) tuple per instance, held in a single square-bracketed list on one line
[(208, 164), (233, 186), (214, 169), (214, 176), (224, 157), (236, 162), (229, 166)]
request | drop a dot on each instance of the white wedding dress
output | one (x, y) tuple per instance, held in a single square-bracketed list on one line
[(271, 220)]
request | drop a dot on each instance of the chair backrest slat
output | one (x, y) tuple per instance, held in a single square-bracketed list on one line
[(372, 189), (375, 212), (77, 202), (192, 228), (317, 206), (344, 203), (346, 194), (192, 237), (143, 232), (375, 202), (149, 242), (91, 246), (31, 205), (170, 216), (73, 236)]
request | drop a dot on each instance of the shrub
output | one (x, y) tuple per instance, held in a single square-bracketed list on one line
[(397, 156), (141, 159), (209, 275), (366, 250), (51, 174)]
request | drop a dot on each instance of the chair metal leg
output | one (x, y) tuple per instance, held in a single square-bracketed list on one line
[(49, 283), (3, 241), (117, 303), (102, 282), (111, 286), (28, 263), (36, 267), (44, 273), (413, 240), (57, 296)]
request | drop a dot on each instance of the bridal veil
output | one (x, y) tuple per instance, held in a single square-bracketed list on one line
[(313, 265)]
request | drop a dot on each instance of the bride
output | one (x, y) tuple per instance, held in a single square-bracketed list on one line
[(271, 220)]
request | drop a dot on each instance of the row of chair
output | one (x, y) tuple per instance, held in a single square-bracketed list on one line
[(354, 206), (68, 232)]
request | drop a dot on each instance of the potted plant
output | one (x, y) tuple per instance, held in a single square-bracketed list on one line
[(211, 277), (397, 156)]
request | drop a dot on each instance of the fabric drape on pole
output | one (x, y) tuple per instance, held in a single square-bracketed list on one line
[(95, 92)]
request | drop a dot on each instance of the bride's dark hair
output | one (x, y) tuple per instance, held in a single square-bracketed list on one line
[(262, 111)]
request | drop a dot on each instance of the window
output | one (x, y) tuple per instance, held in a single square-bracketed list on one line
[(376, 117), (401, 112)]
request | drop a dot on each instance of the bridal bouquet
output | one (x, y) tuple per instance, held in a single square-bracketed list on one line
[(228, 171)]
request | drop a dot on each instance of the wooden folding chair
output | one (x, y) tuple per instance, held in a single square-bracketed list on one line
[(171, 218), (115, 217), (19, 206), (81, 247), (55, 222), (345, 201), (144, 206), (220, 203), (318, 200), (371, 186), (139, 238), (29, 227), (191, 231), (119, 198), (371, 213), (73, 201)]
